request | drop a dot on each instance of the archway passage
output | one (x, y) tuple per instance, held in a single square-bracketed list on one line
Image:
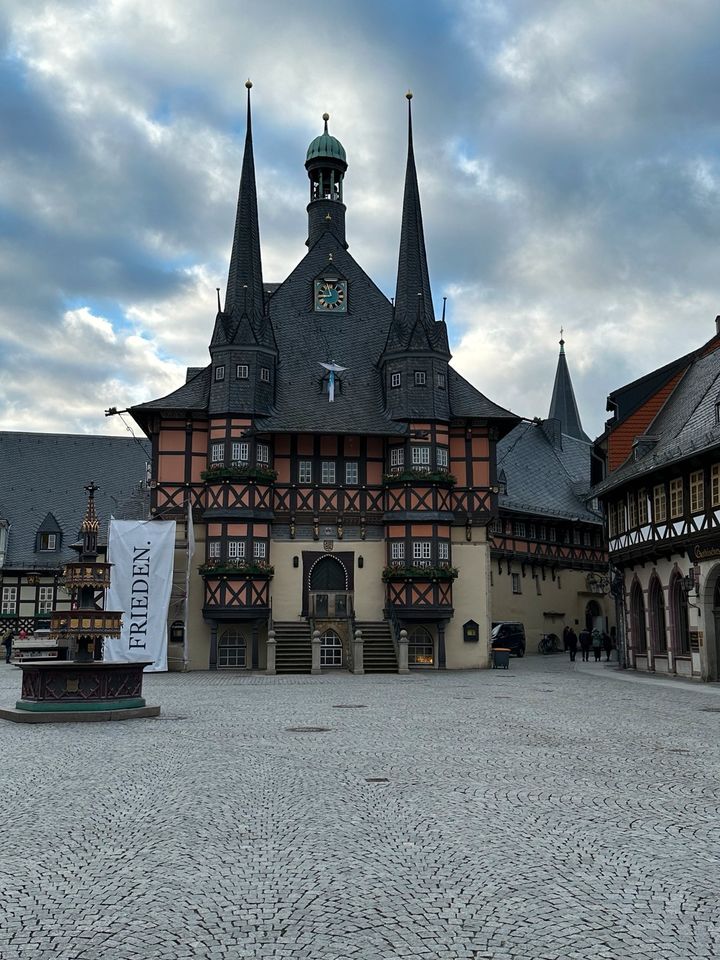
[(637, 620), (679, 624), (656, 607), (714, 659), (328, 574)]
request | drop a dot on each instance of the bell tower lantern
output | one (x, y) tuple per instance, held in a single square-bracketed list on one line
[(326, 164)]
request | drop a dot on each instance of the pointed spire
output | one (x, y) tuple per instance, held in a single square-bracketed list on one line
[(563, 406), (413, 279), (245, 264)]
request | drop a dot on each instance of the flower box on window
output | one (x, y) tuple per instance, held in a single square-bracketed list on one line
[(401, 572), (257, 569), (415, 475)]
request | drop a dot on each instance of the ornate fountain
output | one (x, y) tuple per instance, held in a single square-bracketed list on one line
[(85, 687)]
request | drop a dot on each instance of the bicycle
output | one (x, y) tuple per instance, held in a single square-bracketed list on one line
[(549, 643)]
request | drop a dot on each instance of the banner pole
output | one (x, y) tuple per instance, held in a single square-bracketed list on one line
[(190, 536)]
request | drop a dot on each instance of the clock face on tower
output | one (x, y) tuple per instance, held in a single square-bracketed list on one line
[(331, 295)]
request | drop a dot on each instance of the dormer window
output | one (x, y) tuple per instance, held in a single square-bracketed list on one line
[(220, 373), (49, 535)]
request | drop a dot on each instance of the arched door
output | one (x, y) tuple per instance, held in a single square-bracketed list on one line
[(714, 661), (593, 616), (656, 608), (328, 574), (329, 589), (637, 620)]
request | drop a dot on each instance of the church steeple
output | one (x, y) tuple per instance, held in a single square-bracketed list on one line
[(414, 324), (563, 406), (245, 296), (243, 347), (416, 354)]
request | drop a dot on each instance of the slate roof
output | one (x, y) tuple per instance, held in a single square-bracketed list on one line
[(684, 427), (43, 474), (544, 478), (305, 338)]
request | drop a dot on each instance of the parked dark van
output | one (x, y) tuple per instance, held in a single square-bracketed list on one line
[(509, 634)]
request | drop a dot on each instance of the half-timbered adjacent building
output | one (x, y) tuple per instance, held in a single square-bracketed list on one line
[(341, 474), (663, 508), (549, 559), (42, 504)]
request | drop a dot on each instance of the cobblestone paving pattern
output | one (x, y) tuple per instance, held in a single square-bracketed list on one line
[(550, 812)]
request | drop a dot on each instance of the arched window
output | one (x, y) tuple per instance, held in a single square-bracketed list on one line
[(421, 648), (656, 609), (679, 617), (637, 619), (232, 649), (330, 649)]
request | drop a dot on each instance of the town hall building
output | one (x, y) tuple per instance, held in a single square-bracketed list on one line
[(341, 474)]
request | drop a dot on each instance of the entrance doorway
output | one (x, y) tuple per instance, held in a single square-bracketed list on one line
[(709, 645), (594, 619), (330, 593)]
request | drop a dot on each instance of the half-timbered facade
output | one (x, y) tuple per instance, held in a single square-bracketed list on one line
[(42, 505), (549, 559), (663, 514), (341, 474)]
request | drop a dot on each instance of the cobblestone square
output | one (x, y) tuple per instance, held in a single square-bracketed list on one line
[(549, 811)]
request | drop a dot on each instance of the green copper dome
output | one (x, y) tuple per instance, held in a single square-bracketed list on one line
[(326, 146)]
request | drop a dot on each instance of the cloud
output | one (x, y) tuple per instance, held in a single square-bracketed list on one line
[(567, 155)]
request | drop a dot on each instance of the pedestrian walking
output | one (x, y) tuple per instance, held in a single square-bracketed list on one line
[(566, 631), (607, 644), (597, 644), (7, 643), (572, 642), (585, 641)]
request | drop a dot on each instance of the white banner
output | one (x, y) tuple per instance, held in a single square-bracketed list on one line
[(141, 552)]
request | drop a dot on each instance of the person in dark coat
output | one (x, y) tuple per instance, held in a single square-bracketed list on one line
[(585, 641), (7, 642), (571, 642), (607, 644)]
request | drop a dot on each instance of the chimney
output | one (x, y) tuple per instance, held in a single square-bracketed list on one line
[(717, 326)]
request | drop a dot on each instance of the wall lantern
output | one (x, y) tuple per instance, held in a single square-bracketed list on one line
[(296, 562), (361, 563)]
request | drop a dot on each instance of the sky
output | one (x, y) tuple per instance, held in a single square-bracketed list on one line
[(568, 157)]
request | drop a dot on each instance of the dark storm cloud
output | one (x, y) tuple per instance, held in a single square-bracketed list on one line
[(567, 154)]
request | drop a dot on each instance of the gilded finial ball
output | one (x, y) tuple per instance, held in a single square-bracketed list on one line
[(326, 117), (409, 95), (248, 84)]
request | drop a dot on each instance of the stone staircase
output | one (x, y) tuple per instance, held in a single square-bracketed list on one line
[(293, 650), (378, 648)]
